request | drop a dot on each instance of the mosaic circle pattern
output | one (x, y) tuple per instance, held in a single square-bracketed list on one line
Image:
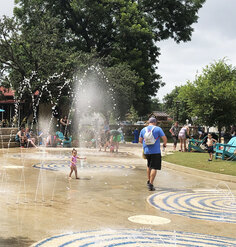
[(58, 165), (127, 237), (205, 205)]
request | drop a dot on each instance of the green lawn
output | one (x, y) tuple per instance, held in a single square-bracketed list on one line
[(200, 161)]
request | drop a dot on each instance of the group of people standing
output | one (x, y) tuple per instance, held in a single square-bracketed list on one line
[(150, 139), (181, 135), (109, 139)]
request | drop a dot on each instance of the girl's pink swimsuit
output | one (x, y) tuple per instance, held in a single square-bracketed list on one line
[(74, 159)]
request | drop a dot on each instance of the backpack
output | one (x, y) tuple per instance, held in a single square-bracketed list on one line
[(148, 137)]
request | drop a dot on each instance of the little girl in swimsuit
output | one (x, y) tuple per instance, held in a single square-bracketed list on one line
[(73, 164)]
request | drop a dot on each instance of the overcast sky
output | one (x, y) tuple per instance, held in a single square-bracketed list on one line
[(214, 38)]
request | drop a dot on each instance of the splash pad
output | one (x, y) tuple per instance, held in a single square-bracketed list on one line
[(111, 192)]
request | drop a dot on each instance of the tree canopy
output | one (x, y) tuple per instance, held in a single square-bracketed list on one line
[(175, 106), (212, 95), (125, 30), (37, 50)]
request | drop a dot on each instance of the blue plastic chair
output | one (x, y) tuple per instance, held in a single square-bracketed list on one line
[(66, 142), (226, 151), (197, 145)]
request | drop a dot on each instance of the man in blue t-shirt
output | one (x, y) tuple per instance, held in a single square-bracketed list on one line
[(152, 152)]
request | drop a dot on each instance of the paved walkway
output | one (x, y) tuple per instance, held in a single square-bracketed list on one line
[(110, 205)]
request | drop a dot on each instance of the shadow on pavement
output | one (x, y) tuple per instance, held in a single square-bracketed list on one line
[(16, 242)]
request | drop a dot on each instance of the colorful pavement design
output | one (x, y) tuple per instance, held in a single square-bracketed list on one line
[(62, 165), (205, 205), (130, 237)]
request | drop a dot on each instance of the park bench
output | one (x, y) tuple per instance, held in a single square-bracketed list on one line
[(226, 151)]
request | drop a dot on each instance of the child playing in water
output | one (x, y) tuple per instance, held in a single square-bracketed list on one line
[(210, 143), (73, 163)]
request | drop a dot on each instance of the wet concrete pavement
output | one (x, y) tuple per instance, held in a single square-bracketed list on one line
[(38, 201)]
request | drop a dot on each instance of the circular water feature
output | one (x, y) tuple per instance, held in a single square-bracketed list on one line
[(61, 165), (149, 220), (130, 237), (204, 205)]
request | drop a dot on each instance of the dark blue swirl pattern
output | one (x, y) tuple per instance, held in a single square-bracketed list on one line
[(206, 205), (130, 237)]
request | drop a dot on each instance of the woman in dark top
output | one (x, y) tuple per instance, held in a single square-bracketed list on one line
[(64, 125), (174, 133)]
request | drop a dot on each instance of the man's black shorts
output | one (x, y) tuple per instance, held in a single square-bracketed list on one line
[(154, 161)]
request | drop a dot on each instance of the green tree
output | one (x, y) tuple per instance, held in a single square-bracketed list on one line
[(39, 57), (132, 115), (34, 54), (122, 80), (126, 30), (175, 106), (212, 95), (156, 105)]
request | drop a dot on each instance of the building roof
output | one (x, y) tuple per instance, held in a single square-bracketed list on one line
[(7, 92), (159, 114)]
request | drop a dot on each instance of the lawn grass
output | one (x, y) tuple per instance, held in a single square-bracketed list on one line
[(200, 161)]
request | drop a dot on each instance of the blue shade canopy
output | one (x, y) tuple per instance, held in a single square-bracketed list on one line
[(1, 110)]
